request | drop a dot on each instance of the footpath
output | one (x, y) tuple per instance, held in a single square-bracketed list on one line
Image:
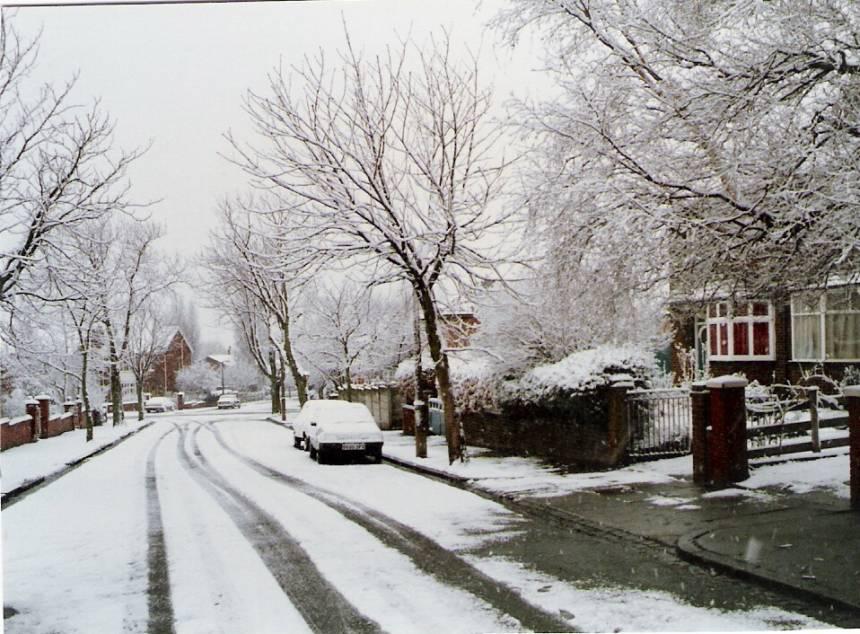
[(28, 467), (789, 526)]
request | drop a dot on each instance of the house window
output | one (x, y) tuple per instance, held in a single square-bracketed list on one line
[(826, 326), (740, 331)]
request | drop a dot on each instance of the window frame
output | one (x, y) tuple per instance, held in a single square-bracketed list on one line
[(821, 313), (724, 313)]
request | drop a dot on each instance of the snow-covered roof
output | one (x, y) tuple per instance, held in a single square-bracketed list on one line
[(173, 331), (221, 359)]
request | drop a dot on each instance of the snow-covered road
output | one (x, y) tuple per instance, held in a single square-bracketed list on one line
[(208, 522)]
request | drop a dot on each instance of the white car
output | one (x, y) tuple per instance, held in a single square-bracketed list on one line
[(344, 429), (228, 401), (308, 415), (159, 404)]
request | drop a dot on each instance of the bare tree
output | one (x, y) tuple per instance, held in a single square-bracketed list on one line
[(716, 144), (248, 281), (389, 163), (58, 171), (348, 328), (139, 275), (70, 296), (147, 342)]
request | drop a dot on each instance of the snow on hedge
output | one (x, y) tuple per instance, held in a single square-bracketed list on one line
[(581, 371), (472, 379), (477, 385), (462, 366)]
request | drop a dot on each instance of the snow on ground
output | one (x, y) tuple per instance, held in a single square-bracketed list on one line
[(452, 517), (75, 552), (46, 457), (427, 506), (830, 474), (218, 582), (103, 560), (616, 609), (330, 541), (532, 477)]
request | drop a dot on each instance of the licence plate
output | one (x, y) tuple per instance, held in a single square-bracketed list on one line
[(352, 446)]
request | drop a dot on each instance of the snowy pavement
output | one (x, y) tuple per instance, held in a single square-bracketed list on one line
[(44, 458), (534, 478), (213, 522)]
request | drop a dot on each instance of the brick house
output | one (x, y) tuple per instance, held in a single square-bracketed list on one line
[(177, 355), (457, 328), (774, 340)]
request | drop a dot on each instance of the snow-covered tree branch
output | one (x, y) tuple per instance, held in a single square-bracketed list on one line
[(713, 144), (389, 162)]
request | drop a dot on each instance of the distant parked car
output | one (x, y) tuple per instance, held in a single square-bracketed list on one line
[(228, 401), (159, 404), (343, 429)]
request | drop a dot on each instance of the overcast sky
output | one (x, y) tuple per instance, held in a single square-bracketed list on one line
[(173, 76)]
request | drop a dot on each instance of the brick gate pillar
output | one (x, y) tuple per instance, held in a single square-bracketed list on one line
[(619, 427), (32, 409), (727, 440), (852, 395), (699, 400), (44, 413)]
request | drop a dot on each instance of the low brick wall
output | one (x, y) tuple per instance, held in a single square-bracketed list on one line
[(16, 432), (59, 425)]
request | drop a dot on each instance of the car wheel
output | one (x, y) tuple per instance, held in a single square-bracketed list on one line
[(313, 453), (321, 458), (297, 442), (377, 456)]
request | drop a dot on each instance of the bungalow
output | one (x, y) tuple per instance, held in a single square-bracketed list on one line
[(772, 340)]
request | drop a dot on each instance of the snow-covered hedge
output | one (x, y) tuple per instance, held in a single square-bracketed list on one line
[(579, 373), (478, 386), (472, 379)]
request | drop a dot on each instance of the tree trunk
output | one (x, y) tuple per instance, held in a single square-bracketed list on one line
[(300, 380), (453, 432), (422, 425), (115, 384), (85, 397), (348, 378), (276, 394), (139, 389), (116, 392)]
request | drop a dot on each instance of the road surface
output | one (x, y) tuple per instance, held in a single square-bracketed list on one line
[(212, 522)]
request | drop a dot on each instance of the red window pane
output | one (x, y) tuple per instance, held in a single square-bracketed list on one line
[(712, 335), (742, 339), (724, 339), (761, 339), (760, 308), (741, 310)]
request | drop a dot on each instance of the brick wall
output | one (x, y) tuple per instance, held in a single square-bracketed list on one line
[(59, 425), (16, 432)]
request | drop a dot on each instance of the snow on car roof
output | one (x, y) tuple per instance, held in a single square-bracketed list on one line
[(343, 411)]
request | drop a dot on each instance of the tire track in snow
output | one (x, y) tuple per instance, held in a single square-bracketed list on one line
[(320, 604), (158, 589), (427, 555)]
